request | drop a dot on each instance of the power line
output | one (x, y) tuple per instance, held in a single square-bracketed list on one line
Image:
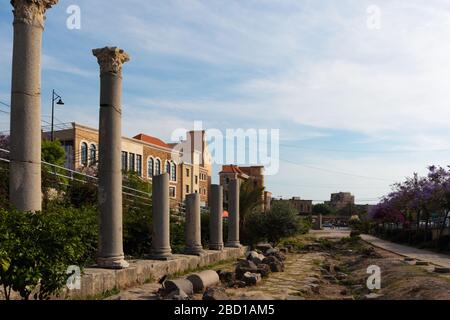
[(364, 151), (336, 172)]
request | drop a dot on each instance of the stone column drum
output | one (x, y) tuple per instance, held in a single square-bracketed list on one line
[(25, 141), (216, 218), (233, 215), (110, 253), (161, 219), (193, 225)]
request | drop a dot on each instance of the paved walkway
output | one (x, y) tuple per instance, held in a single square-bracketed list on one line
[(442, 260)]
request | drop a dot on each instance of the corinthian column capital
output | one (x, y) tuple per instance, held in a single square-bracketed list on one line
[(111, 59), (31, 11)]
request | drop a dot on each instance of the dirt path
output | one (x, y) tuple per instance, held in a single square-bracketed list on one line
[(331, 266)]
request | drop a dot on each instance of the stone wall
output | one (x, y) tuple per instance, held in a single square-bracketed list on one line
[(97, 281)]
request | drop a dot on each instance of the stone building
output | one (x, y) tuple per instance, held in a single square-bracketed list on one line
[(303, 207), (341, 200), (146, 156), (254, 174)]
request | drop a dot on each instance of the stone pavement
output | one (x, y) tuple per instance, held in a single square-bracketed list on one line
[(442, 260)]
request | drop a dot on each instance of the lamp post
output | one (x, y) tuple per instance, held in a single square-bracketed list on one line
[(55, 97)]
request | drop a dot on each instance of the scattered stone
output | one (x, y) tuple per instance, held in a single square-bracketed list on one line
[(255, 257), (177, 294), (329, 277), (357, 287), (344, 292), (312, 280), (290, 247), (275, 264), (251, 278), (214, 294), (203, 280), (263, 247), (341, 276), (422, 263), (244, 263), (182, 285), (441, 270), (409, 259), (227, 277), (264, 270), (239, 284), (348, 298), (315, 288), (373, 296), (284, 250)]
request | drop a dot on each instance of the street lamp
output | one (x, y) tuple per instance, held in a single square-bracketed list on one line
[(55, 97)]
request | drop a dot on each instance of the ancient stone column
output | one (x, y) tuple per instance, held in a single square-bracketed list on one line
[(161, 219), (193, 225), (25, 145), (233, 215), (216, 218), (110, 253)]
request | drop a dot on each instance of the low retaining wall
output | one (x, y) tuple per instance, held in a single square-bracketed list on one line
[(97, 281)]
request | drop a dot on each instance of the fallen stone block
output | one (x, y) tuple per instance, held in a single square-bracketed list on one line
[(177, 294), (215, 294), (203, 280), (178, 284), (422, 263), (264, 270), (251, 279), (441, 270), (263, 247), (227, 277)]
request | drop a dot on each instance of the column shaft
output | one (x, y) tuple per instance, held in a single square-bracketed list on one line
[(25, 139), (193, 225), (111, 253), (233, 215), (161, 218), (216, 218)]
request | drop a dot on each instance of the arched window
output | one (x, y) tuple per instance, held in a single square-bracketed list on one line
[(150, 167), (84, 154), (157, 167), (168, 168), (92, 155), (173, 171)]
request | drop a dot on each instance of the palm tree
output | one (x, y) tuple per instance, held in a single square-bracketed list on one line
[(249, 199)]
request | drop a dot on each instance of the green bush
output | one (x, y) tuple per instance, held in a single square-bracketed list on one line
[(37, 248), (177, 239), (279, 222)]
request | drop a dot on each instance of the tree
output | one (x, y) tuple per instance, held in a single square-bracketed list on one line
[(250, 199), (322, 209)]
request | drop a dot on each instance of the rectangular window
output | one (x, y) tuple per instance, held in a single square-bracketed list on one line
[(196, 179), (132, 165), (172, 192), (139, 165), (187, 172), (187, 189), (124, 161)]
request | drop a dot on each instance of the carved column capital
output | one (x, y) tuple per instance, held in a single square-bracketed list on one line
[(111, 59), (31, 12)]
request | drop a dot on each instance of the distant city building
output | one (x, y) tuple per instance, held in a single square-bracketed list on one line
[(303, 207), (146, 156), (254, 174), (341, 200)]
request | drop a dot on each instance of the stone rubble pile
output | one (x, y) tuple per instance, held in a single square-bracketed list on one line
[(257, 265)]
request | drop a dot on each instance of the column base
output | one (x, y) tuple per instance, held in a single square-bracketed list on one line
[(112, 263), (196, 251), (162, 255), (233, 244), (217, 247)]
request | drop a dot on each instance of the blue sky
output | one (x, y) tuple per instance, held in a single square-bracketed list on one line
[(357, 108)]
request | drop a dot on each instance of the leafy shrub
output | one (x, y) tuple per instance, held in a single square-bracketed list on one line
[(177, 239), (37, 248), (279, 222)]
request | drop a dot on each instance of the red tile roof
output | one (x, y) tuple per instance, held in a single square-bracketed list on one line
[(152, 140), (231, 169)]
